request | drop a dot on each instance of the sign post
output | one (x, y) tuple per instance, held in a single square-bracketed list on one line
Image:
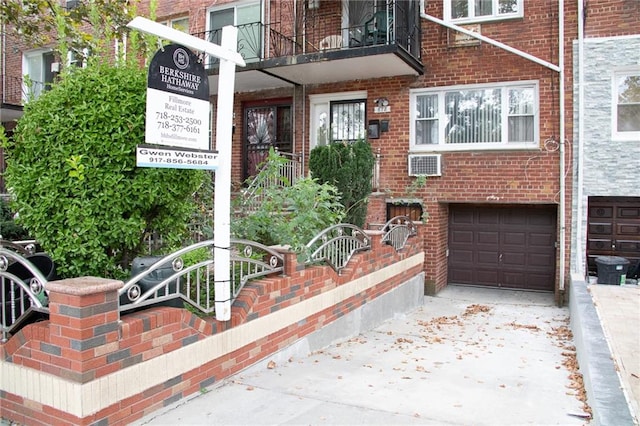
[(229, 58)]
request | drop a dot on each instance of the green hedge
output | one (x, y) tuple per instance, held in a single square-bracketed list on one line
[(348, 166)]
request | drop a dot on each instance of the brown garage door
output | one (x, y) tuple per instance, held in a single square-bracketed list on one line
[(614, 229), (507, 246)]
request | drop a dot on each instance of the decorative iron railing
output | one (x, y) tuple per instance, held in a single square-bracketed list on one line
[(289, 170), (187, 275), (336, 245), (397, 232), (22, 287)]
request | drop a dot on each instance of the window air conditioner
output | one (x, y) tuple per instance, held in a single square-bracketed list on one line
[(425, 165)]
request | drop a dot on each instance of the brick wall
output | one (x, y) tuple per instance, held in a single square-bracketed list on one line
[(85, 365)]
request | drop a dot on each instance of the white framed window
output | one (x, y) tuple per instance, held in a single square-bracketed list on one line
[(180, 24), (626, 105), (337, 117), (37, 74), (487, 116), (247, 16), (463, 11)]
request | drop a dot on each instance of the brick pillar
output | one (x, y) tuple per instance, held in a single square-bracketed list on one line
[(84, 324)]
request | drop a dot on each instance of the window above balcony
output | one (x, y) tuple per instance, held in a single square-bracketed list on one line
[(247, 17), (466, 11)]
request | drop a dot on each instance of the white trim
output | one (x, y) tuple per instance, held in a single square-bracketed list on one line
[(616, 135), (323, 100), (479, 19), (442, 119)]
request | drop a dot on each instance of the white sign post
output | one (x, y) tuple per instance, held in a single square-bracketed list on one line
[(229, 58)]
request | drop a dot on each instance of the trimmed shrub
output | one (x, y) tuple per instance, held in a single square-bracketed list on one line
[(72, 172), (350, 168)]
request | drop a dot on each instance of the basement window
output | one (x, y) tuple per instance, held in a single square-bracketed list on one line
[(411, 209)]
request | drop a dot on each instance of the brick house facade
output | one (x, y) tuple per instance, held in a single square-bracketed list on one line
[(485, 122)]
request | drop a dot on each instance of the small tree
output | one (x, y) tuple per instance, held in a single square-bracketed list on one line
[(350, 168), (72, 171)]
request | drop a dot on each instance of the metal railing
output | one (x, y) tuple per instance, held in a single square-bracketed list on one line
[(289, 170), (187, 275), (336, 245), (22, 288), (397, 232), (317, 30)]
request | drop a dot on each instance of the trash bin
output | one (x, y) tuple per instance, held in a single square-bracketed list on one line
[(612, 269)]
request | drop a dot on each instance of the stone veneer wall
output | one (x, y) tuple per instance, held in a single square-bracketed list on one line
[(86, 365)]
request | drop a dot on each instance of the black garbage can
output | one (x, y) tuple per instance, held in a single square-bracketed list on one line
[(612, 269)]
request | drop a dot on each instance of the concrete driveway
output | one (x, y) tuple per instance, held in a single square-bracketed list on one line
[(468, 356)]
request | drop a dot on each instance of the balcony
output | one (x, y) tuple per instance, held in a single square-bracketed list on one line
[(12, 98), (323, 45)]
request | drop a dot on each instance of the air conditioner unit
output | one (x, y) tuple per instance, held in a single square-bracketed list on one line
[(425, 165)]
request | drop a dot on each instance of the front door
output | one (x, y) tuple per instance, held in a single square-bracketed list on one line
[(267, 125)]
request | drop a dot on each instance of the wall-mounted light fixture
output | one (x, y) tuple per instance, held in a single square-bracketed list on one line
[(382, 105)]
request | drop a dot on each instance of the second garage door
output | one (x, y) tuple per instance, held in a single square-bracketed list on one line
[(506, 246)]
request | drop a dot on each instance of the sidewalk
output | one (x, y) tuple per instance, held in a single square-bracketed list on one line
[(618, 308), (468, 356)]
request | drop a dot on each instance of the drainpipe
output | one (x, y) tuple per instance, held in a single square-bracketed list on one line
[(562, 207), (580, 263), (560, 70)]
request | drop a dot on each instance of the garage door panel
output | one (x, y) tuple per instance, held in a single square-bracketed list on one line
[(488, 238), (484, 258), (514, 259), (600, 228), (540, 260), (631, 212), (628, 229), (462, 237), (515, 238), (512, 246), (545, 240), (462, 217), (461, 256), (488, 217), (487, 277)]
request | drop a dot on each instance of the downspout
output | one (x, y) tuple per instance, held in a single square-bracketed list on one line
[(580, 263), (562, 203), (557, 68)]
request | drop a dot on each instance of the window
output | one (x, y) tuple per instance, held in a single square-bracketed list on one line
[(482, 10), (337, 117), (626, 114), (180, 24), (37, 73), (247, 17), (477, 117)]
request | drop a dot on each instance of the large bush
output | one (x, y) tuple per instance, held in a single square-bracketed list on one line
[(72, 172), (350, 168)]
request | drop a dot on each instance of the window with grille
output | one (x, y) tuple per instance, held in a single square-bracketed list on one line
[(348, 120)]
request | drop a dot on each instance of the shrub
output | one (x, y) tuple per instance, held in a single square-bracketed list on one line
[(289, 214), (72, 171), (350, 168)]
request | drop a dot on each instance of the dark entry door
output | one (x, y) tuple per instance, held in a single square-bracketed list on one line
[(505, 246), (614, 229), (266, 126)]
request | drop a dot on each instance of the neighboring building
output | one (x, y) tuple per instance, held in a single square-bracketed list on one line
[(484, 121), (607, 114)]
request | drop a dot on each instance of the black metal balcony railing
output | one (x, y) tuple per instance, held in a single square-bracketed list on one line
[(16, 90), (397, 24)]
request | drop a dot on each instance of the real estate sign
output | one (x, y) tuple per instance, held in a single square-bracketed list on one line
[(178, 112)]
